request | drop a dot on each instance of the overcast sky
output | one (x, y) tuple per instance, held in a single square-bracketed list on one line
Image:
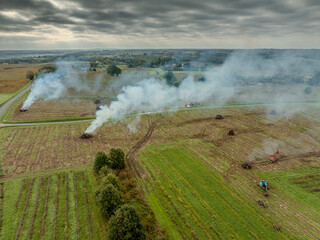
[(64, 24)]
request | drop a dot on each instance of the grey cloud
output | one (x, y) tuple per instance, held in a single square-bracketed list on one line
[(220, 18)]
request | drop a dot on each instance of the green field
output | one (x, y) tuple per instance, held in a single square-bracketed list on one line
[(192, 176), (194, 201), (52, 206), (193, 182)]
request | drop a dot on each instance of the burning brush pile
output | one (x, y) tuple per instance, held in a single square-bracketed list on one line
[(85, 136)]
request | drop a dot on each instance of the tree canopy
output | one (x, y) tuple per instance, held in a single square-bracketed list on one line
[(170, 78), (30, 75), (109, 199), (126, 225), (100, 161), (116, 158), (112, 70)]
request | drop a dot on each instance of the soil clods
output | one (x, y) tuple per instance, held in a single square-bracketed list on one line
[(219, 117)]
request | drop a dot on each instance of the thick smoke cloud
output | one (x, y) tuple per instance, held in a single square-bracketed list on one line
[(151, 95), (221, 84), (54, 85), (47, 86)]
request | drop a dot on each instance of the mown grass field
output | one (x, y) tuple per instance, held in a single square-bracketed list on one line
[(195, 202), (51, 206)]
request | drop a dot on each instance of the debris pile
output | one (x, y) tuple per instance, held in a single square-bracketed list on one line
[(273, 112), (219, 117), (246, 165), (262, 203), (85, 136), (231, 132)]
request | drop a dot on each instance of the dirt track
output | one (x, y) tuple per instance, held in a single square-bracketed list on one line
[(132, 154)]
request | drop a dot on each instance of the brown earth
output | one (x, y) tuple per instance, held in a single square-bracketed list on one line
[(13, 76), (35, 148)]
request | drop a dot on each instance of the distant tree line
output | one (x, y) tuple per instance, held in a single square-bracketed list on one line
[(46, 69)]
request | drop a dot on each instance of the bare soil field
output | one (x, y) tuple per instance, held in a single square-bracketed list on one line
[(29, 149), (64, 108), (13, 76)]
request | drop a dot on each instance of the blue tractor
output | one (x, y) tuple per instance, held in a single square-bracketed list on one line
[(264, 185)]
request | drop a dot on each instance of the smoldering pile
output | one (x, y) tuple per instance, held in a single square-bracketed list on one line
[(85, 136), (246, 165), (231, 132), (219, 116)]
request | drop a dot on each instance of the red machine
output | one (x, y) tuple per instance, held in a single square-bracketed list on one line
[(272, 158)]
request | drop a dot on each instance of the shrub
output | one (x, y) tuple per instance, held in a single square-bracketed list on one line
[(104, 171), (109, 199), (111, 179), (30, 75), (47, 69), (170, 78), (308, 90), (112, 70), (116, 158), (100, 161), (126, 225)]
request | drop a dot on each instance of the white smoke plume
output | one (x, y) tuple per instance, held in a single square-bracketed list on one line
[(269, 146), (220, 85), (150, 95), (54, 85), (132, 125)]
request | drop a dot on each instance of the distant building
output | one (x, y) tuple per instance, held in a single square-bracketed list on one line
[(189, 104), (5, 63)]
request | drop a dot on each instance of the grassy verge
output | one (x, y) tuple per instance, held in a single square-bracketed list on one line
[(57, 120), (5, 97)]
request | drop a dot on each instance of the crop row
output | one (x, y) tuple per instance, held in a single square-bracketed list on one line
[(58, 206), (196, 197), (50, 146)]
